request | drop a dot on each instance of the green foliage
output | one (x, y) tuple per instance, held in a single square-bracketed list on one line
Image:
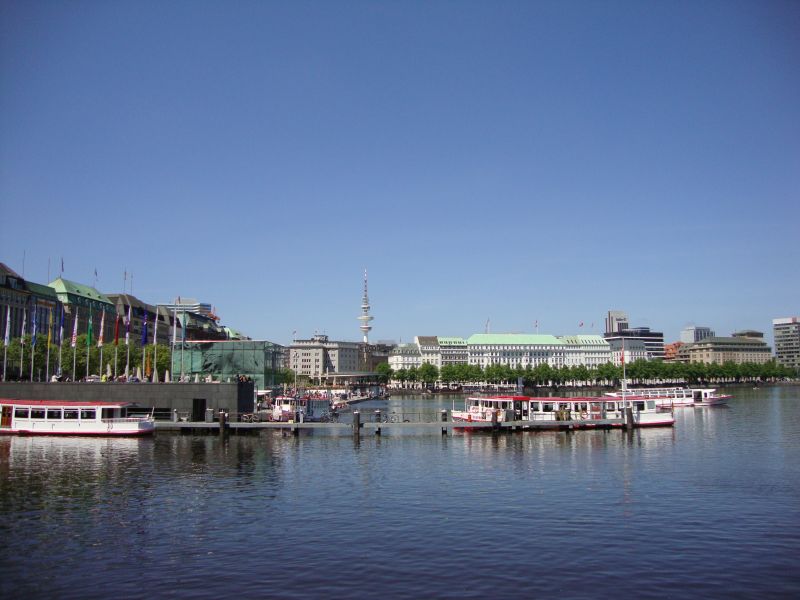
[(428, 373), (384, 372)]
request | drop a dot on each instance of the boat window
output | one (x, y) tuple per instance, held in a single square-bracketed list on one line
[(21, 413), (564, 406), (107, 413), (595, 406), (70, 413), (547, 407), (535, 406), (88, 413), (651, 404), (54, 413), (639, 405), (37, 413), (584, 406), (611, 406)]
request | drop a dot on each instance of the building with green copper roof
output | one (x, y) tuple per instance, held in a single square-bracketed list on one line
[(80, 301)]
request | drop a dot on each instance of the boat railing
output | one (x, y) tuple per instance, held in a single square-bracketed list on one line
[(127, 419)]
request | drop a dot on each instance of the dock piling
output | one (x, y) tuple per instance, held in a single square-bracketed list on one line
[(356, 423), (378, 421), (444, 420)]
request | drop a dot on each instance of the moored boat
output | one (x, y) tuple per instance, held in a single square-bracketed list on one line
[(675, 396), (558, 413), (52, 417)]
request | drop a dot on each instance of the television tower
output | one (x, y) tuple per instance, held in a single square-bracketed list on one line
[(365, 317)]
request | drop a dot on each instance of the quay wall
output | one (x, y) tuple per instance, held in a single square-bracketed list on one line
[(190, 399)]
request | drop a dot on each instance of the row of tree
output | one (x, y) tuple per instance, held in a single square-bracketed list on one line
[(640, 371), (18, 360)]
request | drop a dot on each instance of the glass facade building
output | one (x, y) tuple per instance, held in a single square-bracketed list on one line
[(260, 361)]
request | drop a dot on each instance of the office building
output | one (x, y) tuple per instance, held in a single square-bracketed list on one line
[(786, 332), (692, 334)]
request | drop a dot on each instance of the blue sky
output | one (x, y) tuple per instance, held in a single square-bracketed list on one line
[(510, 161)]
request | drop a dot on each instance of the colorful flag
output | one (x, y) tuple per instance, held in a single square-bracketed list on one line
[(89, 331), (49, 326), (33, 328), (116, 331), (144, 330), (128, 327), (102, 327), (580, 324), (7, 338), (75, 329), (155, 328), (24, 325)]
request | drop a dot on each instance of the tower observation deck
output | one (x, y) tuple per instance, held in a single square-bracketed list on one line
[(365, 317)]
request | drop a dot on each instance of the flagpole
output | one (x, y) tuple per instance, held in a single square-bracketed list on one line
[(155, 347), (183, 339), (61, 336), (88, 343), (74, 343), (22, 341), (6, 339), (101, 342), (49, 339), (33, 339)]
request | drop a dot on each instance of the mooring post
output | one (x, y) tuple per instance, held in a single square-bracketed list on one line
[(629, 417), (378, 421), (223, 425), (444, 420), (495, 422), (356, 423)]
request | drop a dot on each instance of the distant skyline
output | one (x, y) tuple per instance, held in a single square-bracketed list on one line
[(514, 161)]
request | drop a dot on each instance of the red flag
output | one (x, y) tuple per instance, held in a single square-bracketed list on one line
[(116, 332)]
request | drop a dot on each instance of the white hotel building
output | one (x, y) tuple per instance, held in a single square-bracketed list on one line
[(512, 349)]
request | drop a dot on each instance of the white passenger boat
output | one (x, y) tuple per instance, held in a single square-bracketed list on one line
[(675, 396), (559, 413), (52, 417)]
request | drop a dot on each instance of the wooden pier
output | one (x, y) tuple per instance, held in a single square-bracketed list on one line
[(377, 427)]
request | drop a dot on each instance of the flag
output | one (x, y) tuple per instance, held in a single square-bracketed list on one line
[(75, 329), (7, 338), (116, 331), (89, 331), (155, 328), (33, 328), (144, 329), (580, 324), (128, 327), (49, 326), (61, 328), (62, 265), (24, 325), (102, 327)]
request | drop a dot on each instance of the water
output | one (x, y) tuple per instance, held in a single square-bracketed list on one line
[(708, 508)]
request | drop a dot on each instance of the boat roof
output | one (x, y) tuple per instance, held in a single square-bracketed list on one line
[(544, 398), (64, 403)]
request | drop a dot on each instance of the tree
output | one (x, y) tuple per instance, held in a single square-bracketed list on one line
[(428, 373), (384, 372)]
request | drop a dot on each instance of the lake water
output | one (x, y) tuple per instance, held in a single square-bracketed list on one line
[(709, 508)]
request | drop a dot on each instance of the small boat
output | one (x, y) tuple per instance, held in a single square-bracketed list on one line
[(675, 396), (559, 413), (52, 417)]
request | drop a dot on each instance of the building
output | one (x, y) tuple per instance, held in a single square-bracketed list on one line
[(80, 303), (671, 350), (735, 349), (786, 332), (429, 349), (190, 305), (515, 350), (405, 356), (453, 351), (616, 321), (653, 340), (320, 357), (634, 350), (692, 334), (128, 304), (227, 360), (28, 304), (586, 350)]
